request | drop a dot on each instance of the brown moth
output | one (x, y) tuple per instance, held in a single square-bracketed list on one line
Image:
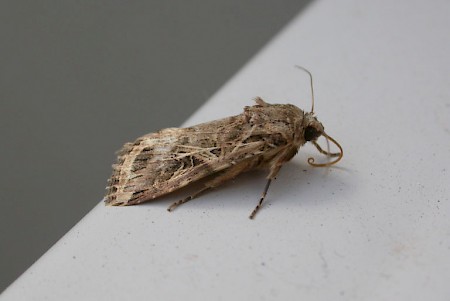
[(263, 136)]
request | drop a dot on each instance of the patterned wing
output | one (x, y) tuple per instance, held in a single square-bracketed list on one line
[(162, 162)]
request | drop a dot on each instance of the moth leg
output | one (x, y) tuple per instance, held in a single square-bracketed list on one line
[(218, 180), (271, 176), (185, 200), (252, 215)]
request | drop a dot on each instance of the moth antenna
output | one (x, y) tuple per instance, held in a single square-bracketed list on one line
[(339, 155), (312, 87)]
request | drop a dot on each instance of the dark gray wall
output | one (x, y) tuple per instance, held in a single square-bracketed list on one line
[(80, 78)]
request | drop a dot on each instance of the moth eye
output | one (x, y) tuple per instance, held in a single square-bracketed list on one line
[(311, 133)]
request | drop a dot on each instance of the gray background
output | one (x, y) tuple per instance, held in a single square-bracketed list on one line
[(80, 78)]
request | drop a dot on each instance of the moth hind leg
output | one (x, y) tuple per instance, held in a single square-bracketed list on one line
[(216, 181), (187, 199)]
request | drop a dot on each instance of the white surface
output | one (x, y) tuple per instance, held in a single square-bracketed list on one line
[(376, 227)]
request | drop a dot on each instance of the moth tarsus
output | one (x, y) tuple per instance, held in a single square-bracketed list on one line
[(264, 136), (185, 200), (178, 203)]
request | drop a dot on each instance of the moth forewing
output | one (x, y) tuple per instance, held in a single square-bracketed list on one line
[(263, 136), (162, 162)]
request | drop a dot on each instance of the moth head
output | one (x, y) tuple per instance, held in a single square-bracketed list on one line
[(313, 128)]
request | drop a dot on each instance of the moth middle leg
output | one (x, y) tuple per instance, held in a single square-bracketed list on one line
[(263, 196), (273, 173), (226, 175)]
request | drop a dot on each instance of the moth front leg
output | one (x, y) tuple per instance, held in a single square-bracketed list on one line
[(226, 175)]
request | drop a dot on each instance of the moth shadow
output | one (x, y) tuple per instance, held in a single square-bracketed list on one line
[(310, 186), (296, 182)]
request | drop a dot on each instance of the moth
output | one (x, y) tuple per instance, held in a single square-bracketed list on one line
[(264, 136)]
